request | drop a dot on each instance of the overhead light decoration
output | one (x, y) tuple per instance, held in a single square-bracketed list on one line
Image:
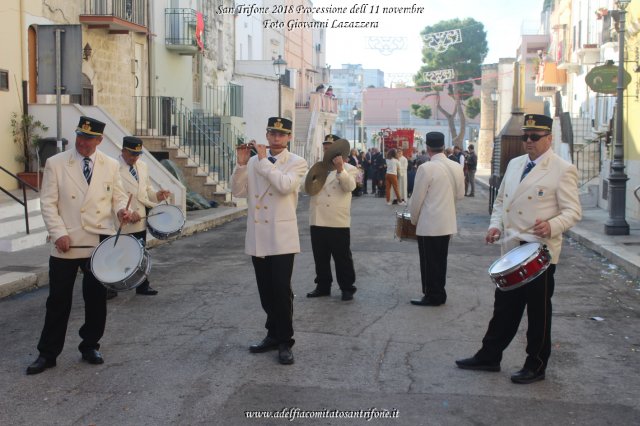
[(441, 41), (387, 45), (438, 77)]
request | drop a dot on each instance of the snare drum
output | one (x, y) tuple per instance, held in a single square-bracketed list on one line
[(121, 267), (520, 266), (405, 230), (165, 221)]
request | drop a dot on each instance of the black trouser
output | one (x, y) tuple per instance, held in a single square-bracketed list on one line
[(433, 266), (508, 308), (273, 275), (325, 243), (142, 236), (62, 276), (365, 176)]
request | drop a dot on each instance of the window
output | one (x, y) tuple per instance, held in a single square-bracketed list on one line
[(4, 80)]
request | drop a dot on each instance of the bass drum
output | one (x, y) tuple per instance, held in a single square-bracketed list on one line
[(123, 266), (405, 230)]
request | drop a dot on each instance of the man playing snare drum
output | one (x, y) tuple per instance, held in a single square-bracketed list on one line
[(135, 180), (537, 201), (438, 184), (80, 189)]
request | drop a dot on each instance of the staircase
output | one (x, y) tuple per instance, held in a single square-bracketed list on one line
[(13, 235)]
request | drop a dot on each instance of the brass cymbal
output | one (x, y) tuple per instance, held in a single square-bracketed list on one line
[(340, 147), (316, 177)]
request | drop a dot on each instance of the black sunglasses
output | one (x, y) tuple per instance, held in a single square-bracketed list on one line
[(534, 137)]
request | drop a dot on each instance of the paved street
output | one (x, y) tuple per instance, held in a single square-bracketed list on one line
[(181, 357)]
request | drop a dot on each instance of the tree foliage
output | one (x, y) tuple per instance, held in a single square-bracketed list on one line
[(472, 108), (465, 59), (422, 111)]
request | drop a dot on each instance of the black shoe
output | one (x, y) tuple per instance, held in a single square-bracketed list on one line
[(111, 294), (267, 344), (348, 294), (474, 363), (319, 293), (526, 376), (426, 301), (92, 356), (285, 356), (147, 291), (39, 365), (470, 195)]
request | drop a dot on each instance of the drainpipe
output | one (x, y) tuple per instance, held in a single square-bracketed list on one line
[(23, 57)]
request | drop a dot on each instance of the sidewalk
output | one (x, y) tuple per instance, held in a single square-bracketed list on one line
[(28, 269), (620, 250)]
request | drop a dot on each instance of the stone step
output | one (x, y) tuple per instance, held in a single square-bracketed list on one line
[(23, 241), (16, 224), (12, 208)]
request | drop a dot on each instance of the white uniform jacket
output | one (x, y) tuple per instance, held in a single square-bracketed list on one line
[(272, 197), (143, 194), (331, 207), (548, 192), (72, 207), (438, 184)]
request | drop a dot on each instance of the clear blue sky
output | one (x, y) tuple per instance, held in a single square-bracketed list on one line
[(502, 21)]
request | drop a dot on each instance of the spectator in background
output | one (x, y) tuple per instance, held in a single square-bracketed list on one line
[(472, 166), (329, 92)]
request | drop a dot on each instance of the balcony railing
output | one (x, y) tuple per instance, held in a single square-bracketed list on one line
[(180, 30), (115, 15), (224, 101), (320, 103)]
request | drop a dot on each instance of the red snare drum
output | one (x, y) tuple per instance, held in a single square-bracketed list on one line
[(520, 266)]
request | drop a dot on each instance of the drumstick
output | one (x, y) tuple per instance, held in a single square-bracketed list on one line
[(120, 228), (151, 215), (514, 236), (81, 247)]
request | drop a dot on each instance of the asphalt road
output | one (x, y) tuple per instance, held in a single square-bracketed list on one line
[(181, 357)]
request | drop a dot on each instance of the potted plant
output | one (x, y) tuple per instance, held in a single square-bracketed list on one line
[(25, 130)]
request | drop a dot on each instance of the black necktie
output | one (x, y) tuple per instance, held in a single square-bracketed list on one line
[(273, 160), (86, 169), (527, 169), (133, 172)]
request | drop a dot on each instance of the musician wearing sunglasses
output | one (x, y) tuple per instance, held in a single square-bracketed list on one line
[(537, 201), (270, 181)]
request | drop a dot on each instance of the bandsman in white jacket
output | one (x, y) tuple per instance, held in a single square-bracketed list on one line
[(537, 201), (136, 182), (330, 221), (438, 184), (81, 191), (270, 181)]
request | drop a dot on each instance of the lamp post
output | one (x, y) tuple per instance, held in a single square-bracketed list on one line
[(493, 188), (279, 66), (616, 224), (355, 113)]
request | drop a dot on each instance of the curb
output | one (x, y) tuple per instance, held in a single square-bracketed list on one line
[(17, 282)]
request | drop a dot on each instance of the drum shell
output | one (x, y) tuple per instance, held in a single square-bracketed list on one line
[(161, 229), (523, 273), (405, 230), (138, 274)]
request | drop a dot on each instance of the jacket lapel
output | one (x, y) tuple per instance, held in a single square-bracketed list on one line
[(74, 172), (537, 173)]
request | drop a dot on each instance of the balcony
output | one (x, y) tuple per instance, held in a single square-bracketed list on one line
[(116, 16), (318, 102), (589, 54), (550, 79), (180, 31)]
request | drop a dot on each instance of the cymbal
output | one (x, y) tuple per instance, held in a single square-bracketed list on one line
[(316, 177), (340, 147)]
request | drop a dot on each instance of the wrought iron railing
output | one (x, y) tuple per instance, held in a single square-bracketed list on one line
[(22, 202), (224, 101), (180, 28), (134, 11), (208, 141), (588, 160)]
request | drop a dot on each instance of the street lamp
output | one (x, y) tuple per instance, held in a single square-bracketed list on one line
[(616, 224), (493, 188), (355, 112), (494, 99), (279, 66)]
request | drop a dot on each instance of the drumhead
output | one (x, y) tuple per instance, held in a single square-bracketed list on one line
[(169, 221), (112, 264), (515, 257)]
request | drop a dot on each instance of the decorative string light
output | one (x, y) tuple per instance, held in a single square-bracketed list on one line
[(387, 45), (441, 41), (438, 77)]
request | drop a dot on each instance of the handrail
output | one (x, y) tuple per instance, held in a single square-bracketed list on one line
[(24, 196)]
